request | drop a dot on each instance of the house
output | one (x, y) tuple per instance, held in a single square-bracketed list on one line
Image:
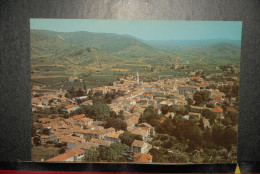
[(130, 101), (159, 99), (78, 117), (114, 137), (87, 103), (140, 147), (196, 109), (170, 114), (162, 120), (187, 117), (62, 99), (143, 158), (140, 133), (196, 79), (153, 103), (219, 111), (46, 128), (73, 155), (144, 100), (87, 121), (195, 115), (113, 105), (87, 146), (69, 121), (100, 143), (82, 98), (126, 107), (131, 122), (164, 103), (183, 88), (44, 138), (69, 108), (96, 133), (188, 94), (72, 79), (206, 123), (157, 93), (119, 100), (202, 85), (151, 130), (148, 96)]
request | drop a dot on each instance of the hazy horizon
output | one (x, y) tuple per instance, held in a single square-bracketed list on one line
[(148, 30)]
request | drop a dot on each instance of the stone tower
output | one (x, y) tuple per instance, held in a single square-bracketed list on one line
[(137, 77)]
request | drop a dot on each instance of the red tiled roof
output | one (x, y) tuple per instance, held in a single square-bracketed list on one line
[(161, 120), (63, 157), (62, 99), (46, 125), (69, 106), (78, 116), (142, 158), (217, 109), (202, 84), (88, 102), (78, 150)]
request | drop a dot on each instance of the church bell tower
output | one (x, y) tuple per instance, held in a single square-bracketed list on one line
[(137, 77)]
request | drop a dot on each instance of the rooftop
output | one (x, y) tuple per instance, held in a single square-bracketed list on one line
[(142, 158), (69, 106), (217, 109), (138, 143), (66, 155)]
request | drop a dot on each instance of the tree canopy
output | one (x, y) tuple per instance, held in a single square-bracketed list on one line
[(127, 138), (99, 112), (151, 116)]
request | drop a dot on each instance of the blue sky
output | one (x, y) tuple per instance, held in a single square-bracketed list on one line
[(147, 29)]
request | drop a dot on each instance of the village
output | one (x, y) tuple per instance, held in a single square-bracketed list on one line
[(73, 125)]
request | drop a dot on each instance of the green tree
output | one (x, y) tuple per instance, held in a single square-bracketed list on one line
[(230, 137), (92, 155), (171, 109), (157, 154), (209, 115), (127, 138), (151, 116), (190, 101), (167, 144), (210, 105), (201, 124), (218, 133), (117, 123), (71, 91), (79, 93), (99, 112), (181, 111), (165, 109), (227, 121), (207, 135), (201, 97), (112, 153), (233, 116), (189, 130), (37, 141), (167, 127)]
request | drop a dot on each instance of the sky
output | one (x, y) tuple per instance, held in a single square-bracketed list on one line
[(147, 29)]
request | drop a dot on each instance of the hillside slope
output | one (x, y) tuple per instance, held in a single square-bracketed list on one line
[(118, 45)]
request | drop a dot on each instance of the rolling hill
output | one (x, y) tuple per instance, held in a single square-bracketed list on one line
[(114, 44)]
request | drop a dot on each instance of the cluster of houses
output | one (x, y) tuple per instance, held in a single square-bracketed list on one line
[(80, 133)]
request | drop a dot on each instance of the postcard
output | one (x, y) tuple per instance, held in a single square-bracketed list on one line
[(134, 91)]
